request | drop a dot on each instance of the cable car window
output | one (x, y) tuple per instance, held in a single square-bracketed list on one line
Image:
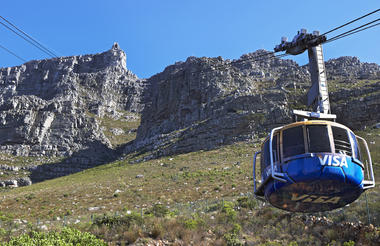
[(293, 142), (274, 148), (341, 141), (318, 138), (262, 166), (265, 158), (356, 146)]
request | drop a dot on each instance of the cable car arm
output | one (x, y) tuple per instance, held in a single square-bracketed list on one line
[(368, 183)]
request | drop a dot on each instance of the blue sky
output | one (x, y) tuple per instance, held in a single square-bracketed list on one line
[(157, 33)]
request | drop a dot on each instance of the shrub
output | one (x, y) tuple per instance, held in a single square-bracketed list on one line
[(157, 231), (68, 236), (114, 220), (3, 232), (349, 243), (271, 243), (229, 212), (30, 196), (191, 224), (4, 217), (245, 202), (194, 223), (213, 207), (232, 239), (158, 210), (132, 234), (236, 229)]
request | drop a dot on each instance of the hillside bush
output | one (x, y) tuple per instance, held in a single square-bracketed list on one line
[(194, 222), (117, 220), (232, 239), (158, 210), (68, 236), (228, 211), (246, 202)]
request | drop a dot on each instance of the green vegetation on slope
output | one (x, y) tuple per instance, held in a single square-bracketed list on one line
[(205, 195), (68, 236)]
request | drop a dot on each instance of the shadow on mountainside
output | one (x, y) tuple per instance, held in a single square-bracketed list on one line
[(95, 154)]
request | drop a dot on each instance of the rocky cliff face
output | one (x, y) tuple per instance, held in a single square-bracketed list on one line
[(205, 102), (351, 67), (83, 107), (354, 91), (45, 106)]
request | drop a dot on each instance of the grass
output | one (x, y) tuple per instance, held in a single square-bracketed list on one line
[(204, 194), (177, 179)]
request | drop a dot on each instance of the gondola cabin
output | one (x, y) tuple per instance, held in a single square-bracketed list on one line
[(312, 166)]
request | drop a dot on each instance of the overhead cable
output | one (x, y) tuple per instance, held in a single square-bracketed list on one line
[(352, 30), (351, 22), (29, 41), (31, 38), (12, 53), (348, 34)]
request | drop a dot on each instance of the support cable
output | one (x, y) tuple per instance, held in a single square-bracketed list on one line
[(27, 40), (31, 38), (352, 30), (12, 53), (348, 34), (351, 22)]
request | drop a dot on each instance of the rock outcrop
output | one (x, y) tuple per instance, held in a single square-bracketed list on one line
[(351, 67), (47, 106), (205, 102)]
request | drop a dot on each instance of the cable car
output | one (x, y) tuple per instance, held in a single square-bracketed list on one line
[(313, 165), (316, 164)]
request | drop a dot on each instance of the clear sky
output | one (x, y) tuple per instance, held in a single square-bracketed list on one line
[(157, 33)]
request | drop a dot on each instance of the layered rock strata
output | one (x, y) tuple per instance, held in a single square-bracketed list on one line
[(206, 102), (47, 107)]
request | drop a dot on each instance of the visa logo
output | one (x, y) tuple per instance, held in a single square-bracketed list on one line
[(315, 199), (333, 160)]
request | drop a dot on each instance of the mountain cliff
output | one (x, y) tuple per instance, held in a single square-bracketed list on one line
[(207, 102), (46, 106), (86, 109)]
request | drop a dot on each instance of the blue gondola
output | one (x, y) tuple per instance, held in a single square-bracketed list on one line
[(315, 165)]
